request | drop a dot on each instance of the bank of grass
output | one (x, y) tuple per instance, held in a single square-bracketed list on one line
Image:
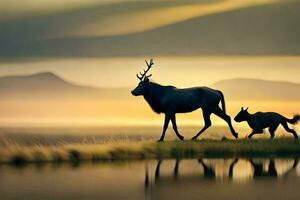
[(115, 151)]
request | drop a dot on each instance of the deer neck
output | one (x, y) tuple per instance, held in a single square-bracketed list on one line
[(154, 96)]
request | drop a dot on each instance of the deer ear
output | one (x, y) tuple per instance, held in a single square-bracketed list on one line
[(146, 80), (242, 109), (247, 109)]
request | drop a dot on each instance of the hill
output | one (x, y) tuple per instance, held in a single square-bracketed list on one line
[(48, 85), (254, 89)]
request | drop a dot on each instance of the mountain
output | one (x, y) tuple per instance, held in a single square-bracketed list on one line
[(258, 30), (48, 85), (255, 89)]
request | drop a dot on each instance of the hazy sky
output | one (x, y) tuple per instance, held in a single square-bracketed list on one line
[(181, 71)]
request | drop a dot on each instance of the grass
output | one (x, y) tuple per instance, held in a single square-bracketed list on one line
[(20, 154)]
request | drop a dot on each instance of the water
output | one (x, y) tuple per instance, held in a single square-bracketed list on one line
[(154, 179)]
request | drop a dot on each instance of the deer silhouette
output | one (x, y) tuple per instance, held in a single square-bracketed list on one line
[(258, 169), (171, 100), (209, 172)]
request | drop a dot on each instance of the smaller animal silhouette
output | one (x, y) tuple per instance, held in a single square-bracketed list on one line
[(261, 120)]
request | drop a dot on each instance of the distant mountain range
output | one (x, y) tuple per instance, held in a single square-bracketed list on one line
[(259, 30), (48, 86), (255, 89)]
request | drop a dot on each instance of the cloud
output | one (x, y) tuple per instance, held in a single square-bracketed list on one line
[(13, 9), (131, 28), (144, 20)]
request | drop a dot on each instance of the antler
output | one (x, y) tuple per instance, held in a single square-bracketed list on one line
[(143, 75)]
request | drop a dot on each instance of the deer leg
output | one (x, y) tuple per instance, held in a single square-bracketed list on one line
[(208, 172), (230, 174), (147, 179), (220, 113), (207, 121), (272, 170), (173, 119), (176, 168), (166, 124), (157, 171), (286, 127), (290, 170)]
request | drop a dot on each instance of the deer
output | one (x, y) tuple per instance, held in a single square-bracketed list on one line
[(170, 100)]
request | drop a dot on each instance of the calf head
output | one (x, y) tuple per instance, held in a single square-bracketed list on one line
[(242, 115)]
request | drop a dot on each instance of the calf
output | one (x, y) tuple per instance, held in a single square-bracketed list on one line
[(271, 120)]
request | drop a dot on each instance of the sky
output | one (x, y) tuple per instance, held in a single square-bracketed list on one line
[(179, 71), (122, 28), (103, 43), (129, 21)]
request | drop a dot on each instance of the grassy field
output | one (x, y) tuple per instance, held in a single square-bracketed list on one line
[(114, 151)]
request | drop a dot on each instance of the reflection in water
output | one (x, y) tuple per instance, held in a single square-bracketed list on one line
[(260, 169), (209, 171), (154, 179)]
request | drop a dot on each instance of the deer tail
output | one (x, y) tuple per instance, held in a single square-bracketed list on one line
[(294, 120), (222, 101)]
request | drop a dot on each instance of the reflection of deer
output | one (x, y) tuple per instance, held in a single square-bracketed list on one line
[(258, 170), (208, 171), (230, 174), (157, 170), (261, 120), (169, 186), (171, 100), (291, 169)]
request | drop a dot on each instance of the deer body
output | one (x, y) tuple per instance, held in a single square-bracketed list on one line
[(171, 100)]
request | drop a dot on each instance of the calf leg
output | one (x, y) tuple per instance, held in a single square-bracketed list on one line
[(173, 119), (272, 129), (255, 132), (166, 124), (251, 134), (286, 127), (207, 121), (220, 113)]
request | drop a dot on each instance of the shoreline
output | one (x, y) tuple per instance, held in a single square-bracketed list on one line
[(122, 151)]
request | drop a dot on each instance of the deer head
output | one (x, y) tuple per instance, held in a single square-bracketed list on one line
[(144, 80)]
